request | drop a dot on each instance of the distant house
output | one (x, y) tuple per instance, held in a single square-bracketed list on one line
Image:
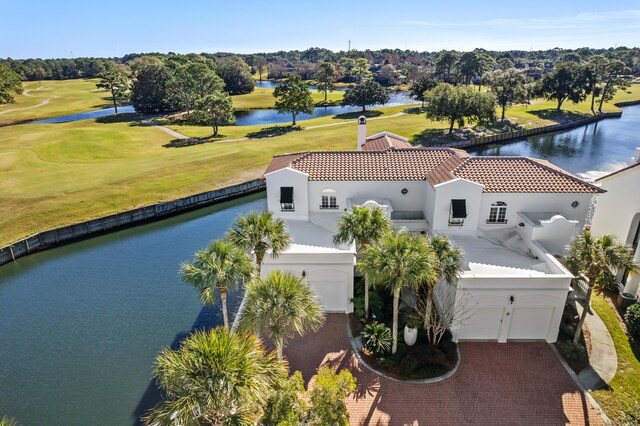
[(618, 213), (511, 215)]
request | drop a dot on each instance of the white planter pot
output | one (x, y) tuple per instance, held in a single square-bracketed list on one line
[(410, 335)]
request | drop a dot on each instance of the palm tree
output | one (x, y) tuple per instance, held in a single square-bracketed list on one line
[(364, 226), (591, 257), (279, 306), (449, 267), (215, 377), (218, 267), (399, 260), (260, 232)]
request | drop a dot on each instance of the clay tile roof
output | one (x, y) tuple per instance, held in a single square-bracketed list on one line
[(392, 164), (282, 161), (383, 142), (520, 174)]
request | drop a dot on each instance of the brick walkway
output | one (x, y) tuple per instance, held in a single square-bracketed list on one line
[(496, 384)]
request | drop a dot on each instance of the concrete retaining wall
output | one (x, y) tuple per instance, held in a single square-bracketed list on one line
[(503, 137), (66, 234)]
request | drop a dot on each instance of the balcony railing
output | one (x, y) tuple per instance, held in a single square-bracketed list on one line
[(329, 207)]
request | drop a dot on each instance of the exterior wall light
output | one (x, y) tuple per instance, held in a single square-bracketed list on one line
[(512, 299), (304, 274), (404, 191), (575, 204)]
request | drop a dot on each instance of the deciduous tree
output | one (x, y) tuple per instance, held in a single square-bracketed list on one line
[(455, 104), (508, 86), (326, 76), (365, 93), (217, 108), (293, 97), (361, 69), (10, 84), (193, 81), (149, 92), (566, 81), (235, 73), (423, 83)]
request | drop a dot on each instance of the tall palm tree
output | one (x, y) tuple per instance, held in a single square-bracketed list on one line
[(215, 378), (279, 306), (218, 267), (260, 232), (449, 267), (591, 256), (364, 226), (399, 260)]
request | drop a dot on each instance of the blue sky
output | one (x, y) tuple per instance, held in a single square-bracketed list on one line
[(46, 28)]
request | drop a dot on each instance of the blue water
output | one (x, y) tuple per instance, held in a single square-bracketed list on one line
[(589, 151), (85, 115), (81, 325), (269, 116)]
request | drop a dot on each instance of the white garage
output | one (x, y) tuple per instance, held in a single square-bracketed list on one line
[(328, 269)]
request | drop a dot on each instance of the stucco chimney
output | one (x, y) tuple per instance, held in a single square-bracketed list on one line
[(362, 131)]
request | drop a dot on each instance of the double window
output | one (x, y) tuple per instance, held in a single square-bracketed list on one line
[(498, 212), (328, 200)]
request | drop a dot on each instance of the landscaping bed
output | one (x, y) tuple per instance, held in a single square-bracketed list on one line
[(577, 356)]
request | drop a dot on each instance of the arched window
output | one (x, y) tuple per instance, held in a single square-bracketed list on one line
[(329, 200), (498, 212)]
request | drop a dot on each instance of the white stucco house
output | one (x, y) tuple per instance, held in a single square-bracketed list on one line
[(618, 213), (510, 215)]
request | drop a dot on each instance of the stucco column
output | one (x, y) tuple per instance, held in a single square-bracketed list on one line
[(634, 279)]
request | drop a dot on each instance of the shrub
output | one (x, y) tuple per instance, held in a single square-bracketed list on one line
[(327, 397), (285, 406), (375, 303), (567, 330), (607, 282), (376, 338), (632, 318), (572, 350), (408, 365)]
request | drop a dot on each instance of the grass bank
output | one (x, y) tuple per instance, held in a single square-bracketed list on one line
[(54, 98), (262, 98), (624, 390)]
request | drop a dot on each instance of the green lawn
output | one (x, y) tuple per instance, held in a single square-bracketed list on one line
[(56, 174), (624, 389), (63, 96)]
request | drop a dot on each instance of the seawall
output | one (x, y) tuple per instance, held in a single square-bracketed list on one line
[(66, 234)]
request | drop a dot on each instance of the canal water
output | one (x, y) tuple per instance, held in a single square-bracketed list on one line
[(81, 325)]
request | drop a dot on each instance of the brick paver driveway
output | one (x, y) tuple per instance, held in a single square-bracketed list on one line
[(496, 384)]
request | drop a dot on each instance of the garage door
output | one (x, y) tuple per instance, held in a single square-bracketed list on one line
[(530, 323), (483, 324), (332, 288)]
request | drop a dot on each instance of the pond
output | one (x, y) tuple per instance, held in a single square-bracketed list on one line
[(589, 151), (82, 324), (85, 115), (261, 117)]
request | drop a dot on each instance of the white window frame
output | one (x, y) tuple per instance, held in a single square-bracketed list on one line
[(498, 213), (328, 200)]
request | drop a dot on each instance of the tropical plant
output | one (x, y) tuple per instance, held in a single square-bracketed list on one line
[(280, 306), (632, 318), (218, 267), (286, 407), (215, 377), (363, 226), (591, 256), (573, 350), (260, 232), (606, 281), (397, 261), (293, 96), (376, 338), (448, 266), (376, 304), (327, 397)]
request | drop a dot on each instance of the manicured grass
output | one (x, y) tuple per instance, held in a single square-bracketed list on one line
[(624, 389), (262, 98), (56, 174), (64, 96)]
